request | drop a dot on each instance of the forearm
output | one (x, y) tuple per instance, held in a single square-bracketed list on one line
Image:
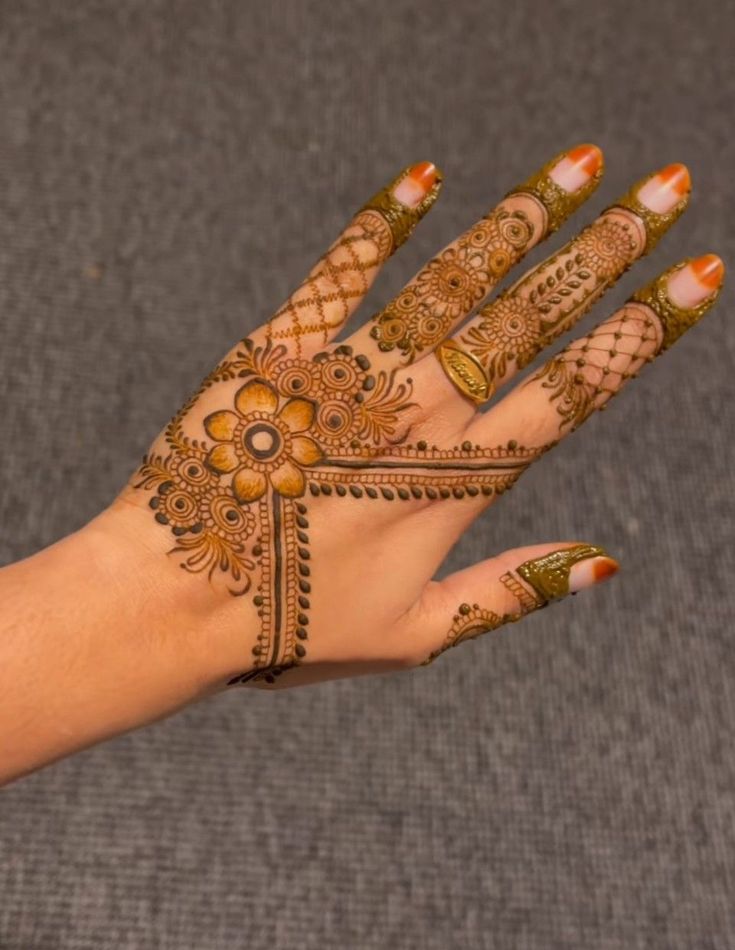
[(99, 635)]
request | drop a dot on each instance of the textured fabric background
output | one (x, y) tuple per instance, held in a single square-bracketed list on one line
[(168, 171)]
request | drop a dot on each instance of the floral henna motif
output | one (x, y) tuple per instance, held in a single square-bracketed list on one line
[(452, 283), (235, 498), (533, 584), (520, 322)]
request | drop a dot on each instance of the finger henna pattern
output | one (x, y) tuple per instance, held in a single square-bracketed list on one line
[(533, 584), (457, 279), (509, 332), (341, 278), (585, 375), (235, 498)]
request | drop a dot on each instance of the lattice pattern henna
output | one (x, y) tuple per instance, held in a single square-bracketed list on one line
[(586, 374), (325, 300), (234, 498), (341, 278)]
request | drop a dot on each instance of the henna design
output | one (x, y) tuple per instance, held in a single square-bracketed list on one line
[(524, 319), (533, 584), (343, 275), (508, 333), (460, 276), (234, 499), (452, 283), (585, 375)]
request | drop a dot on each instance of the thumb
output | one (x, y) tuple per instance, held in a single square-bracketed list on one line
[(504, 589)]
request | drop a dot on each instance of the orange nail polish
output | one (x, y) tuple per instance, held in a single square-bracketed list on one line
[(709, 270), (604, 567), (677, 177), (586, 157), (425, 175)]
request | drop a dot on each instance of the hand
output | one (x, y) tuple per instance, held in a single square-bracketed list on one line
[(309, 490)]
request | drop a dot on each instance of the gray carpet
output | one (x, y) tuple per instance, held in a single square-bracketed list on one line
[(168, 170)]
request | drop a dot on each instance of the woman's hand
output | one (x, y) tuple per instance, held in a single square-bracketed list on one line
[(310, 490), (286, 525)]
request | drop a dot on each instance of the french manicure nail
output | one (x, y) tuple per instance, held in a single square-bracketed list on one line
[(682, 295), (592, 571), (667, 188), (577, 167), (416, 184), (691, 285), (567, 570)]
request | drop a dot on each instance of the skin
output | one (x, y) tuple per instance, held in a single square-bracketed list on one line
[(152, 606)]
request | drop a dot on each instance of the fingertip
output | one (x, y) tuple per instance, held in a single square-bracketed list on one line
[(577, 167), (417, 183)]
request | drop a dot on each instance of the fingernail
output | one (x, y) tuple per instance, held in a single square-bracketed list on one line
[(577, 167), (403, 202), (667, 188), (691, 285), (567, 570), (592, 571), (416, 184), (564, 183), (681, 296)]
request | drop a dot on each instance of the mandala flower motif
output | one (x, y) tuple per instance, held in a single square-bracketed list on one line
[(190, 473), (428, 327), (221, 516), (296, 377), (263, 444), (176, 507), (515, 228), (605, 248), (340, 375), (452, 283), (511, 327), (337, 420)]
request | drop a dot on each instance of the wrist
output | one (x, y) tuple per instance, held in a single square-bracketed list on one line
[(202, 636), (100, 634)]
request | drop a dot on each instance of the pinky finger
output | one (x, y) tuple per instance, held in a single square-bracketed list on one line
[(504, 589)]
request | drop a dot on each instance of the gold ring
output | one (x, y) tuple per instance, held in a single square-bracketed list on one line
[(464, 371)]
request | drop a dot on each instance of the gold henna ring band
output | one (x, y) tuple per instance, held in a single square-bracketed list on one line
[(464, 371)]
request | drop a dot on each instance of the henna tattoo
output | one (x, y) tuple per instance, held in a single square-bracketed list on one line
[(234, 497), (452, 283), (508, 333), (456, 280), (343, 275), (585, 375), (533, 584), (520, 322)]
